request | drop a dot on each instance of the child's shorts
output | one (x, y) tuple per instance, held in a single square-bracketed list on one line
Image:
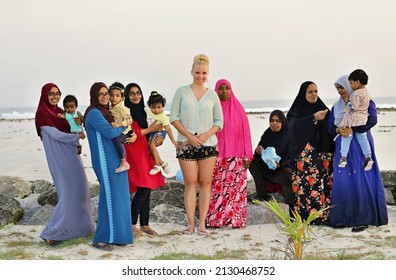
[(188, 152), (160, 133)]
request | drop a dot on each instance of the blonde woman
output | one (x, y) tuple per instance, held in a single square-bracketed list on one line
[(197, 115)]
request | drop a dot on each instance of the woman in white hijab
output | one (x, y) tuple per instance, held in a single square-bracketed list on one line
[(357, 197)]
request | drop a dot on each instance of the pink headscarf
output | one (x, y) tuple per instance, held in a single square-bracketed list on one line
[(234, 139)]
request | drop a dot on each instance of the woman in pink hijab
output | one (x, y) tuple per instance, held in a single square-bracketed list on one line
[(229, 185)]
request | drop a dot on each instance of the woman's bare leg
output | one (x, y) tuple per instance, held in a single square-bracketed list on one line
[(205, 175), (190, 175)]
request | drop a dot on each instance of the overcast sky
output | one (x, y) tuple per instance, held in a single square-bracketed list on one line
[(266, 49)]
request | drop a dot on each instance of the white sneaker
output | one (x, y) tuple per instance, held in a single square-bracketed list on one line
[(155, 170), (343, 162), (165, 167), (368, 164)]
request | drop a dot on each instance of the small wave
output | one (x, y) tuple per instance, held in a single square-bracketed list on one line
[(386, 105), (263, 110), (17, 116)]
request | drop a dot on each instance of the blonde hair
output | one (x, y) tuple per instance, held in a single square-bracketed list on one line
[(200, 59)]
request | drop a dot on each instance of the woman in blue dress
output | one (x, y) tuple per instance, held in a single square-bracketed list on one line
[(357, 198), (114, 212)]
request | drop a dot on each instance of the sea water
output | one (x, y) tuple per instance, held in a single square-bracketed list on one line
[(251, 107)]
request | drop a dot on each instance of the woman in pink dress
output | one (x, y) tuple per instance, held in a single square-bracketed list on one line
[(229, 185)]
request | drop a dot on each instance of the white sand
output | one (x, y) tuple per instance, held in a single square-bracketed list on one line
[(253, 243), (22, 155)]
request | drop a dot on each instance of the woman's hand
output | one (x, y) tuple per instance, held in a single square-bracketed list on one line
[(132, 138), (344, 131), (246, 163), (158, 140), (155, 126), (175, 143), (116, 124), (320, 115), (80, 119), (193, 140), (203, 137), (82, 135), (259, 149)]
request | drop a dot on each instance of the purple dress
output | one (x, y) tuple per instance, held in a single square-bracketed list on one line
[(72, 216)]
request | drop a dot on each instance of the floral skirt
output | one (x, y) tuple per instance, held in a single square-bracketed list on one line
[(228, 194), (312, 183)]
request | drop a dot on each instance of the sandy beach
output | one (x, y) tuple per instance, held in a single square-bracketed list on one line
[(22, 155), (256, 242)]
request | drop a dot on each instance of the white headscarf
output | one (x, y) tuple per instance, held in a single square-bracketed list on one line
[(339, 106)]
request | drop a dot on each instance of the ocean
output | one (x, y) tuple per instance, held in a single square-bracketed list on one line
[(251, 107)]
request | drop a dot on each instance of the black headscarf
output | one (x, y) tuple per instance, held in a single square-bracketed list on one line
[(137, 110), (279, 140), (301, 125), (94, 102)]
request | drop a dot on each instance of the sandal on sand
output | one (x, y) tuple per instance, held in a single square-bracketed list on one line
[(136, 232), (119, 244), (51, 242), (148, 230), (203, 232), (189, 230), (359, 228), (103, 246)]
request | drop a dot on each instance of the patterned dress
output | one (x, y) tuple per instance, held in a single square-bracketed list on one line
[(312, 150), (228, 201), (312, 182), (229, 194)]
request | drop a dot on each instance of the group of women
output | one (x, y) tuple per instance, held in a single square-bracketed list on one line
[(306, 176), (72, 216), (214, 152)]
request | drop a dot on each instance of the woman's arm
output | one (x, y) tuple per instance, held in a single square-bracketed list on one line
[(67, 138), (178, 125), (155, 126), (101, 125), (174, 117), (203, 137), (331, 126), (218, 119)]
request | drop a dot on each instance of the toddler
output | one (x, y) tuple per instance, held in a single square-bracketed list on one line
[(122, 117), (73, 117), (356, 114), (155, 112)]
